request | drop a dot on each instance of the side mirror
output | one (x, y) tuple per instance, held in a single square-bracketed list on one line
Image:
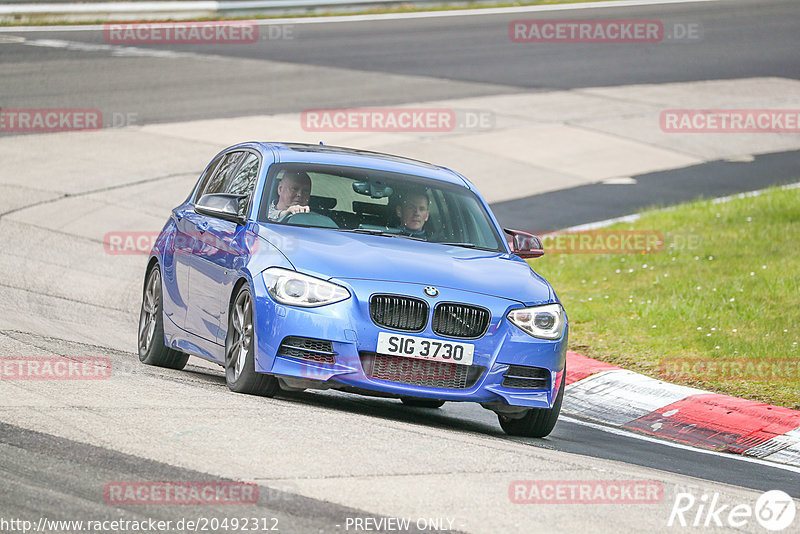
[(523, 244), (222, 206)]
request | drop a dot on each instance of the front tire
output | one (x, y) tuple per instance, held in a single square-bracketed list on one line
[(240, 368), (537, 422), (152, 350)]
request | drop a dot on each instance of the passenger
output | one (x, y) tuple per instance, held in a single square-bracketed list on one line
[(294, 192), (414, 212)]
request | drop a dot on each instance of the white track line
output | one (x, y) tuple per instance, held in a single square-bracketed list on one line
[(400, 16), (643, 437), (114, 50)]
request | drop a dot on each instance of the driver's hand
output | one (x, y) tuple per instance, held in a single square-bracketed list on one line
[(297, 208)]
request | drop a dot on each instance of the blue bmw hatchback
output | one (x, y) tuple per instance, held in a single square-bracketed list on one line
[(314, 267)]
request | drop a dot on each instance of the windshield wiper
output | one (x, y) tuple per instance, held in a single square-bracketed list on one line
[(374, 231), (465, 245)]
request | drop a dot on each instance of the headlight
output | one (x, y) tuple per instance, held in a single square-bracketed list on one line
[(296, 289), (539, 321)]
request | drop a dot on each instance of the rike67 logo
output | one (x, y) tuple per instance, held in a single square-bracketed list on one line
[(774, 510)]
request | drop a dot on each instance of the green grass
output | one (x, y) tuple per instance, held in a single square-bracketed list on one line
[(404, 8), (725, 287)]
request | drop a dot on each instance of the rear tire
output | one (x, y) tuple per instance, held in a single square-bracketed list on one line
[(537, 422), (422, 403), (152, 350), (240, 367)]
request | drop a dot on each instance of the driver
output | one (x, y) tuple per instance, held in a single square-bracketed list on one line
[(294, 192), (414, 212)]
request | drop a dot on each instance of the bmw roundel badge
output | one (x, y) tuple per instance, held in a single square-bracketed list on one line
[(431, 291)]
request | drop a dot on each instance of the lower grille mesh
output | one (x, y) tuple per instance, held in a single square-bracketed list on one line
[(418, 372), (305, 348)]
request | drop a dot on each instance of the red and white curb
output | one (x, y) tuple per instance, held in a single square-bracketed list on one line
[(622, 398)]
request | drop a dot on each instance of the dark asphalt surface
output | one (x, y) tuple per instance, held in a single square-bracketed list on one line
[(740, 39), (61, 479), (393, 62), (64, 480), (574, 438), (356, 66), (595, 202)]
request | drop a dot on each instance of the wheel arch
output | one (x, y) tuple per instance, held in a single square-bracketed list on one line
[(150, 264), (236, 287)]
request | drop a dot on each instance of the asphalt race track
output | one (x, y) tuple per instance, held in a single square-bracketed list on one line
[(447, 57), (322, 459)]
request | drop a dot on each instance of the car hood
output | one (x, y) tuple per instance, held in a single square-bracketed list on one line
[(331, 254)]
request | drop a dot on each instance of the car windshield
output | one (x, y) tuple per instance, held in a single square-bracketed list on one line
[(383, 203)]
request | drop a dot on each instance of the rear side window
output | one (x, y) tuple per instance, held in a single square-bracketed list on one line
[(244, 181), (222, 174), (203, 182)]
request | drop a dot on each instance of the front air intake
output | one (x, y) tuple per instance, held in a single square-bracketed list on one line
[(307, 349), (522, 377)]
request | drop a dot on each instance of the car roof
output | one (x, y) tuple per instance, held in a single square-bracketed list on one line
[(352, 157)]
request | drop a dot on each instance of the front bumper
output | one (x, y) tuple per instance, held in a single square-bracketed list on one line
[(353, 334)]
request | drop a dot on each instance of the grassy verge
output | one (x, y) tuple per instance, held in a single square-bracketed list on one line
[(404, 8), (718, 308)]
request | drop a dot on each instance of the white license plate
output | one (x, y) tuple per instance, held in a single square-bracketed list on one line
[(425, 349)]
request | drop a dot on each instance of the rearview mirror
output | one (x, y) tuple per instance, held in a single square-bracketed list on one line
[(372, 189), (222, 206), (523, 244)]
